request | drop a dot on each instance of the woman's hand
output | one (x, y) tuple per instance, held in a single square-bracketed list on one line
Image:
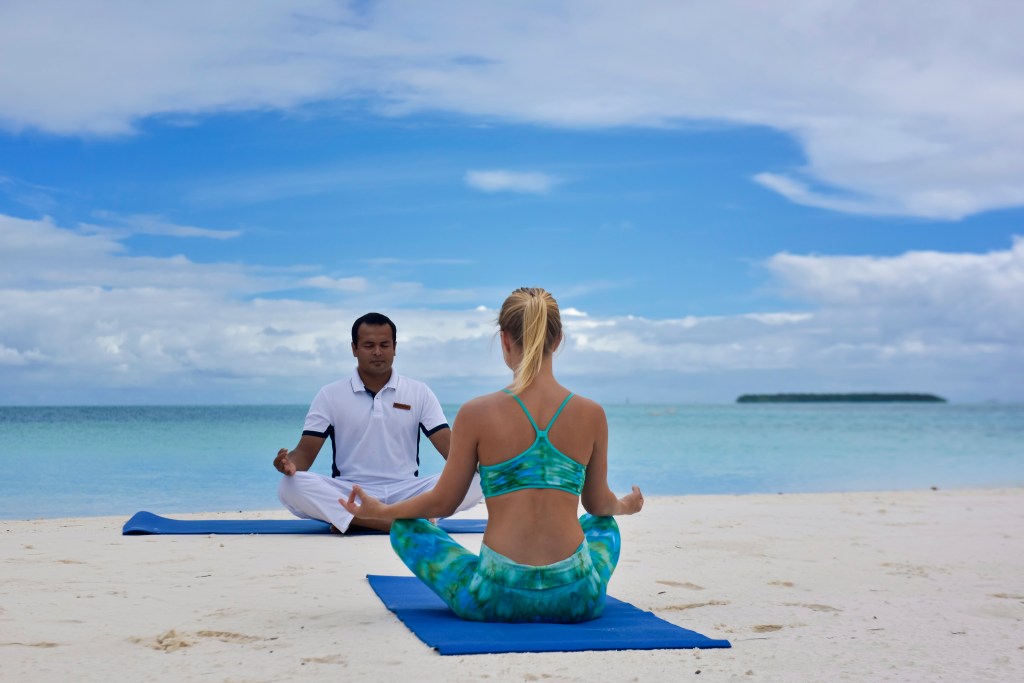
[(368, 507), (632, 503)]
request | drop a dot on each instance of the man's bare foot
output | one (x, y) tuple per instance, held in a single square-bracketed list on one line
[(380, 526)]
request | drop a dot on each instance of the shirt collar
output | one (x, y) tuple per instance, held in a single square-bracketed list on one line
[(358, 386)]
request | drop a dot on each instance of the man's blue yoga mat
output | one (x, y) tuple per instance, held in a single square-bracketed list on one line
[(621, 627), (148, 523)]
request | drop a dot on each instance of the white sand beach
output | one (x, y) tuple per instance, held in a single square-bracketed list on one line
[(903, 586)]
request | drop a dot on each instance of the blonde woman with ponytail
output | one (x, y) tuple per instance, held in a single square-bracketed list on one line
[(538, 561)]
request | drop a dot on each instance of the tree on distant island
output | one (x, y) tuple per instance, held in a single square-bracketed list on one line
[(841, 398)]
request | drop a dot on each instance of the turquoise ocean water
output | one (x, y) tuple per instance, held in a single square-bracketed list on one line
[(84, 461)]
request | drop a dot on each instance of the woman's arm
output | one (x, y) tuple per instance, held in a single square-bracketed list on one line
[(597, 498), (449, 492)]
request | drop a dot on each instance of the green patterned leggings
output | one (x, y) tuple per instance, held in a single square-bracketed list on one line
[(491, 587)]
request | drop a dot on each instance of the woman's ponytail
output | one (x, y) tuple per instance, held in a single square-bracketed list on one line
[(530, 315)]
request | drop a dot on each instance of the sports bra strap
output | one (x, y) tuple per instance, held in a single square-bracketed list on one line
[(523, 406), (557, 413), (540, 432)]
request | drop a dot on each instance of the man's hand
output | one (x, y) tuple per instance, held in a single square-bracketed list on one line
[(283, 464)]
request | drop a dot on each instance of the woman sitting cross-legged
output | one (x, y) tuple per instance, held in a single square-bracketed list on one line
[(540, 450)]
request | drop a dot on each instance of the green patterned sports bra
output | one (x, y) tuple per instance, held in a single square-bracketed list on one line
[(541, 466)]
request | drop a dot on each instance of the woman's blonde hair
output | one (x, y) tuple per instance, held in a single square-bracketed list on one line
[(530, 316)]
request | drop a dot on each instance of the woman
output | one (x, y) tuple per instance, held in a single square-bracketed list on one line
[(537, 562)]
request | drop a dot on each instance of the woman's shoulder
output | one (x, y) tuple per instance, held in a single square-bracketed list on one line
[(588, 407), (482, 405), (496, 405)]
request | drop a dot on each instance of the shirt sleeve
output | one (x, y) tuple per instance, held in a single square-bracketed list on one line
[(432, 418), (318, 421)]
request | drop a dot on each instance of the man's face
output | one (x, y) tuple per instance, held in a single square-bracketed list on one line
[(375, 351)]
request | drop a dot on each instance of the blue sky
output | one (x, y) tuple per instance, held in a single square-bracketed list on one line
[(196, 199)]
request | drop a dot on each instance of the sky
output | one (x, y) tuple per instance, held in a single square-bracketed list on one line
[(198, 198)]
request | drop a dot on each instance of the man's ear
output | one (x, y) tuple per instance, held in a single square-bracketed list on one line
[(353, 348)]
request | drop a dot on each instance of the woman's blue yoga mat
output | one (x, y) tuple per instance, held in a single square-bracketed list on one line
[(621, 627), (148, 523)]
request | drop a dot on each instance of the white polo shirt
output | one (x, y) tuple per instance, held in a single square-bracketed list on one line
[(374, 437)]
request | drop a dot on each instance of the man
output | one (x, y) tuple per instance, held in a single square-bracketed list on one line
[(373, 420)]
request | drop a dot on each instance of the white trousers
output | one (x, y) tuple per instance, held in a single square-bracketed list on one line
[(314, 496)]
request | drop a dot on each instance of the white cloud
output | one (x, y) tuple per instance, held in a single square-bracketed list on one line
[(947, 283), (140, 224), (511, 181), (799, 193), (344, 284), (779, 318), (913, 108), (41, 255), (82, 317), (258, 187)]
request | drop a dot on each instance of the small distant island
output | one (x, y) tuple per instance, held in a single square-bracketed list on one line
[(840, 398)]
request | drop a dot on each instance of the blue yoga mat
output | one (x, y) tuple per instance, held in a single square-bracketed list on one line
[(148, 523), (621, 627)]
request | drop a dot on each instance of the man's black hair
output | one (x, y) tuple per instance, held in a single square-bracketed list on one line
[(374, 319)]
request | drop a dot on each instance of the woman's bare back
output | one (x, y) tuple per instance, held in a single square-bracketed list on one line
[(534, 526)]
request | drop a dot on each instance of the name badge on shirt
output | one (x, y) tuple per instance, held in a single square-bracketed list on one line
[(403, 406)]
